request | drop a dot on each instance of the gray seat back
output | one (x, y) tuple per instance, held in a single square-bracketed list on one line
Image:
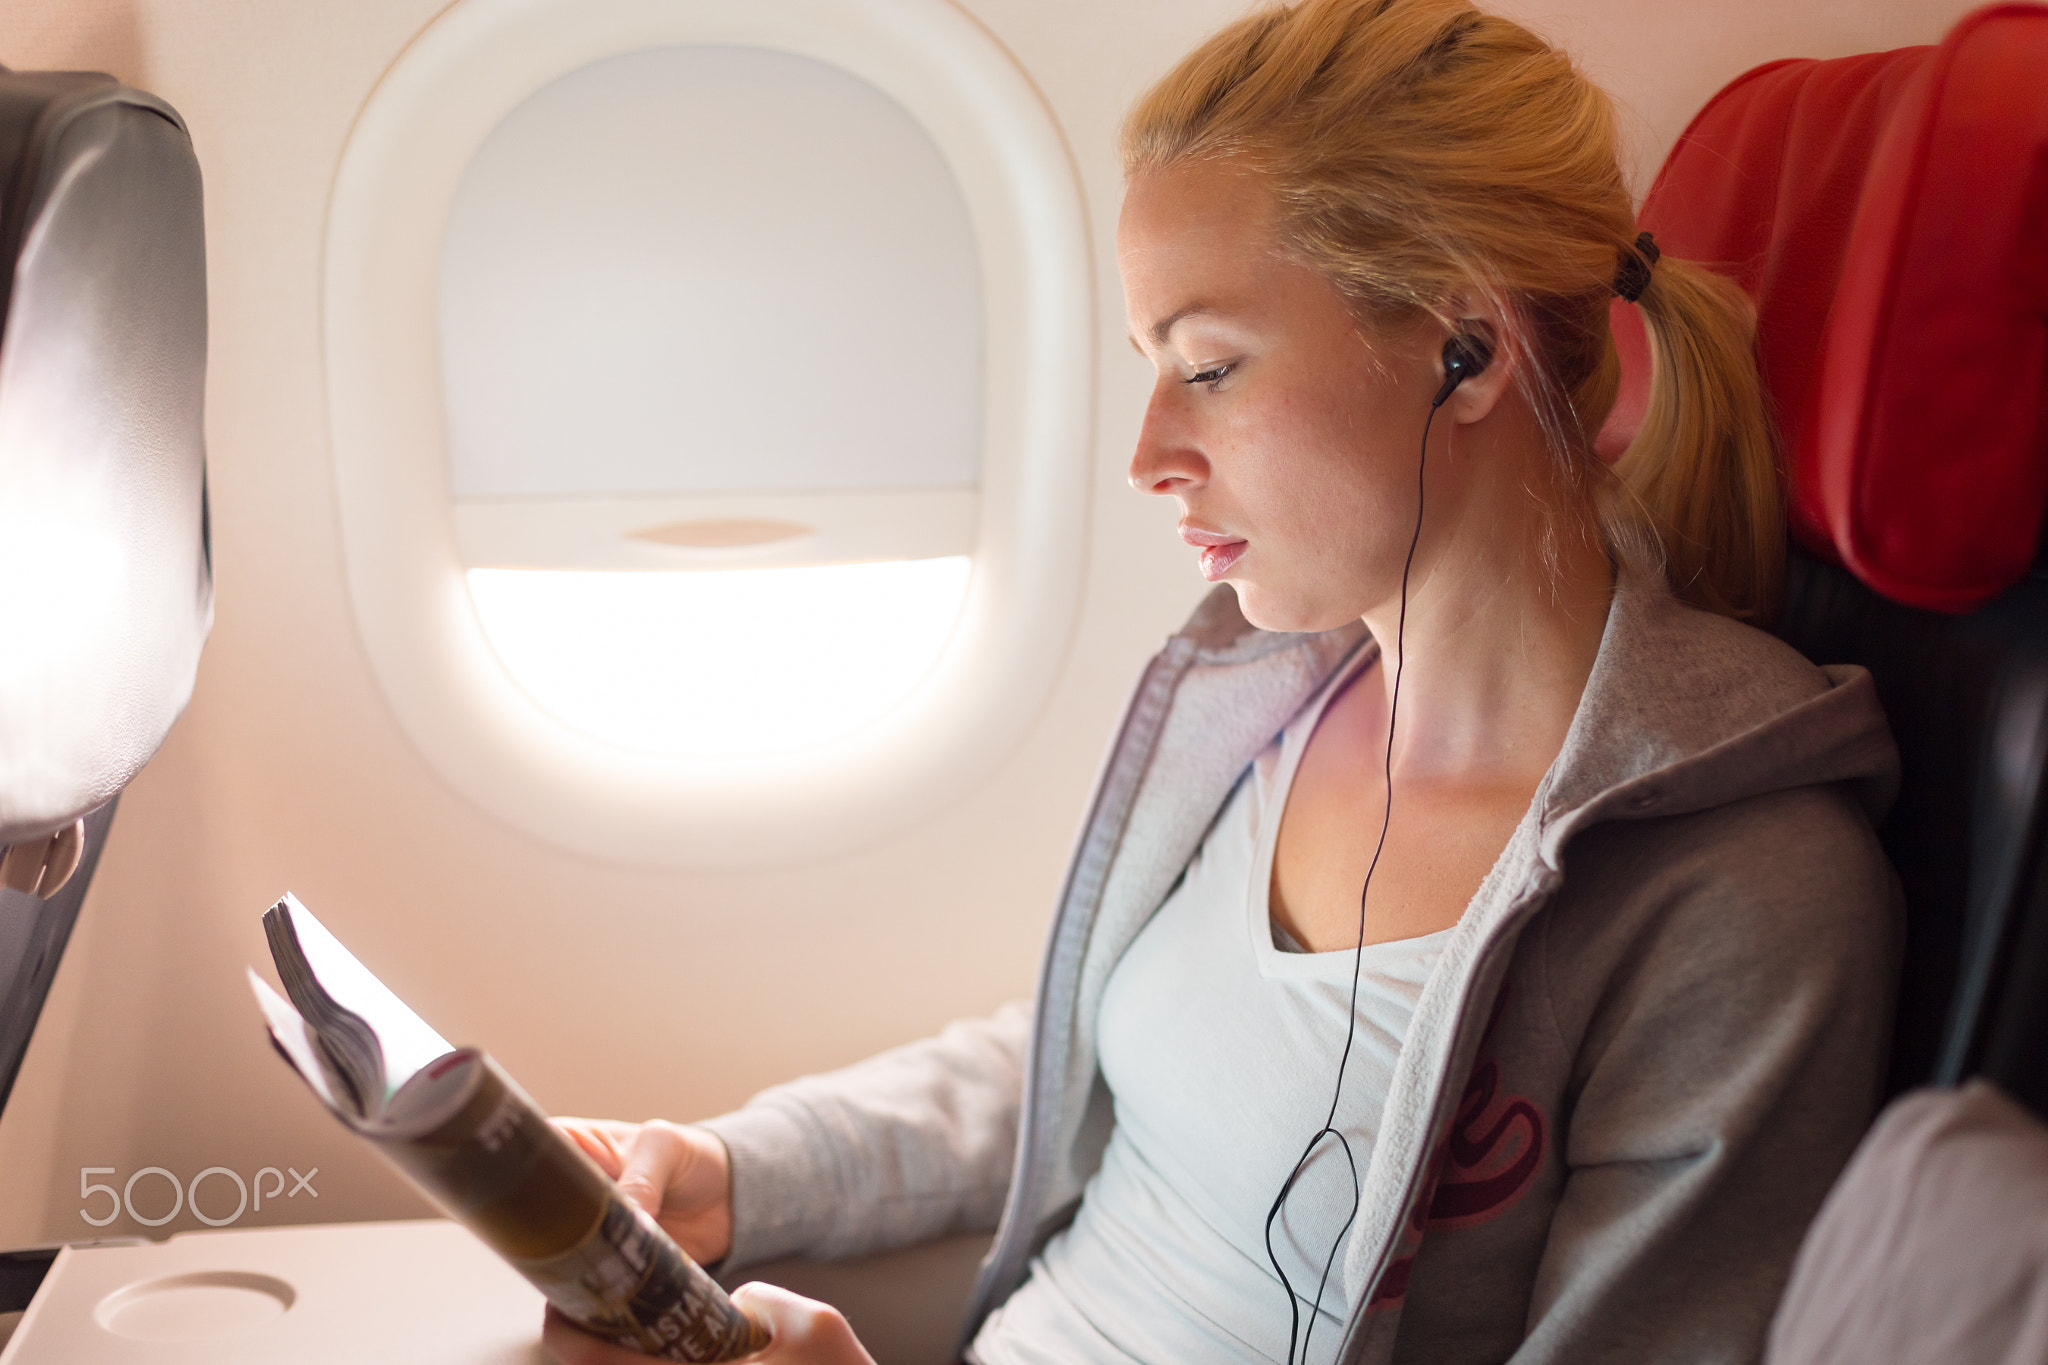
[(105, 573)]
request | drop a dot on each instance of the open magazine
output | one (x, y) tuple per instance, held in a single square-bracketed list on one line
[(458, 1127)]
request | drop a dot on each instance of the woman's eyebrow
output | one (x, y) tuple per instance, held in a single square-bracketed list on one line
[(1161, 330), (1164, 327)]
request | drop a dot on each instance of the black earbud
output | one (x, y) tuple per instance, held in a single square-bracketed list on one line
[(1464, 356)]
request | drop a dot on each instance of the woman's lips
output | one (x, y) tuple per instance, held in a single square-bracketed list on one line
[(1219, 551), (1217, 559)]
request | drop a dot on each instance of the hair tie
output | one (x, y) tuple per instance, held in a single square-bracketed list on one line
[(1633, 275)]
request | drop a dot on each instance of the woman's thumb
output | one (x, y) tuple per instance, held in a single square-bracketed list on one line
[(801, 1331), (774, 1307), (650, 1161)]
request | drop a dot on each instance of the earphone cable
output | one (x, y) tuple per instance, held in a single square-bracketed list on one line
[(1329, 1129)]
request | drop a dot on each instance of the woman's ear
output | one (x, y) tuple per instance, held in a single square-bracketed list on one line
[(1483, 339)]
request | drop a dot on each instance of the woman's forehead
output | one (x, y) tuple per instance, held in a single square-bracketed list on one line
[(1197, 241), (1190, 205)]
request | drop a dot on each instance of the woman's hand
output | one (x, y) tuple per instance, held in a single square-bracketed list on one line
[(801, 1332), (680, 1175)]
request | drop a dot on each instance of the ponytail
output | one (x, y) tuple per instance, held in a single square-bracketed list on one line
[(1703, 466)]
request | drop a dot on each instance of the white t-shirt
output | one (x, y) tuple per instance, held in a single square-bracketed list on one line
[(1221, 1050)]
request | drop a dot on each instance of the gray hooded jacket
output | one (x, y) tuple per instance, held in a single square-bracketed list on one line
[(1648, 1047)]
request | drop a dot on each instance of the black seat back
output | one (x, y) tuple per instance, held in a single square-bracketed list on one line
[(1967, 697)]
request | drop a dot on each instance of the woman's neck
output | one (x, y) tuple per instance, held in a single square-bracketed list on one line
[(1500, 635)]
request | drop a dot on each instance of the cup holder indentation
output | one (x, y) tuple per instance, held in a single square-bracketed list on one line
[(194, 1307)]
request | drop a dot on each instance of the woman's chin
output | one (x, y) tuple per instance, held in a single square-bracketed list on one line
[(1275, 611)]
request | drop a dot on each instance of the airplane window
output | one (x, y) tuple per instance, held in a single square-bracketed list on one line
[(732, 362), (710, 390)]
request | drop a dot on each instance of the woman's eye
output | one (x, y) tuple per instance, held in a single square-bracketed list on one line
[(1209, 376)]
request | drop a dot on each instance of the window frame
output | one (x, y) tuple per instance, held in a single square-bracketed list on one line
[(458, 706)]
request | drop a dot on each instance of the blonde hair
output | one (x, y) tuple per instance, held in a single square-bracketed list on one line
[(1421, 151)]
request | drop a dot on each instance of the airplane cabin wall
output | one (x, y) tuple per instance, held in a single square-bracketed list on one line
[(608, 990)]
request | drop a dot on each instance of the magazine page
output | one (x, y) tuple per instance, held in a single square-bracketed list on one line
[(289, 1034), (368, 1029)]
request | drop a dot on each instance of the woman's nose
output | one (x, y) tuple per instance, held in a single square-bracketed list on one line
[(1166, 460)]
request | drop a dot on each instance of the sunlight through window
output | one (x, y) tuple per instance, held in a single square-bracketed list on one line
[(721, 663)]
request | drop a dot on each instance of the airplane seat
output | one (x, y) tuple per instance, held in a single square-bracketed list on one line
[(1889, 215), (104, 562)]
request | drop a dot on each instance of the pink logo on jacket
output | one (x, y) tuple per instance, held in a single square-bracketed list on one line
[(1486, 1162)]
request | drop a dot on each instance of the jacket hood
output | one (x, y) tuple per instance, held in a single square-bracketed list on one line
[(1686, 710)]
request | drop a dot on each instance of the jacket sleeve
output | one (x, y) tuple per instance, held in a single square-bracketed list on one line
[(1729, 1040), (912, 1144)]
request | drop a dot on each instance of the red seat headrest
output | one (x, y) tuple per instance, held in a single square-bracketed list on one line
[(1887, 213)]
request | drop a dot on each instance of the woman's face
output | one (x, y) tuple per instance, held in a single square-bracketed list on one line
[(1288, 436)]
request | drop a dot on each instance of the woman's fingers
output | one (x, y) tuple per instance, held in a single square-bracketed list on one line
[(680, 1175), (602, 1140), (801, 1331)]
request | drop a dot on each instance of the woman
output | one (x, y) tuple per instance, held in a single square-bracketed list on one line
[(1555, 899)]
